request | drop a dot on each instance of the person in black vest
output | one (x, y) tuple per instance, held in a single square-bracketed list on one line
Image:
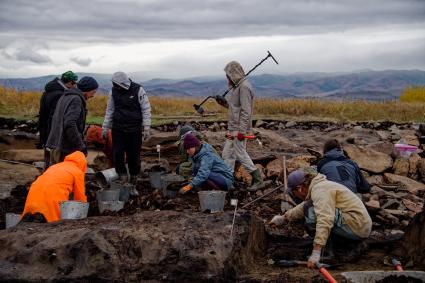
[(340, 169), (53, 90), (127, 113), (69, 121)]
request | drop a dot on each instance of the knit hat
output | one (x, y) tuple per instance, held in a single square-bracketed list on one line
[(121, 79), (87, 84), (185, 129), (190, 141), (69, 76)]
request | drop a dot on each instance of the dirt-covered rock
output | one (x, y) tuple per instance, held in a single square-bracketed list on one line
[(369, 159), (154, 245)]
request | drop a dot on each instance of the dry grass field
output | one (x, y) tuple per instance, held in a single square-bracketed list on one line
[(410, 108)]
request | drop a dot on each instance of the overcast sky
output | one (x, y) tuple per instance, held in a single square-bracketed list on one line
[(177, 39)]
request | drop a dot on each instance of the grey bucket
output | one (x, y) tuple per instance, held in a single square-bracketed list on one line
[(73, 209), (124, 190), (155, 179), (212, 200), (170, 179), (12, 219), (110, 205), (108, 195), (105, 177), (375, 276)]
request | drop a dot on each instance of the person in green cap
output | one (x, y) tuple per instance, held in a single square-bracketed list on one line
[(53, 90)]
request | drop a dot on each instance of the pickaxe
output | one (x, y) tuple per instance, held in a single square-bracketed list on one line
[(221, 98)]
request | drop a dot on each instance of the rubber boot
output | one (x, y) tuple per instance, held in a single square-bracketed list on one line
[(257, 181), (133, 182)]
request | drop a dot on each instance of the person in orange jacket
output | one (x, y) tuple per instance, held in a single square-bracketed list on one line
[(94, 136), (53, 186)]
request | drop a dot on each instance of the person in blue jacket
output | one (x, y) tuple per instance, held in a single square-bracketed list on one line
[(209, 171), (340, 169)]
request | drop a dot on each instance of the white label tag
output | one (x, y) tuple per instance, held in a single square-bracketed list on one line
[(233, 202)]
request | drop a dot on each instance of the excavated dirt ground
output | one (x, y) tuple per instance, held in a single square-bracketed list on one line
[(157, 239)]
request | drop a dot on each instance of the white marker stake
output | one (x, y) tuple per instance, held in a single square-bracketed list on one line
[(158, 149), (233, 202)]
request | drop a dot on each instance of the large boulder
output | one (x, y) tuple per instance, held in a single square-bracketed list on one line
[(401, 166), (405, 183), (414, 160), (23, 155), (300, 161), (368, 159)]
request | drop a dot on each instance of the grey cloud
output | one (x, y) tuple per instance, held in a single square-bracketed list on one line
[(203, 19), (84, 62), (28, 55)]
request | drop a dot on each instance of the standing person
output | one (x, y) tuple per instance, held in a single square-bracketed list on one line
[(327, 207), (127, 112), (69, 120), (53, 186), (53, 90), (209, 171), (338, 168), (240, 105)]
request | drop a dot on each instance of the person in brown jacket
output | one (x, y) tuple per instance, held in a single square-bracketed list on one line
[(328, 207)]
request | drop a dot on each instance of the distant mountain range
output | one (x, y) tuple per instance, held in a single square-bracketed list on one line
[(369, 85)]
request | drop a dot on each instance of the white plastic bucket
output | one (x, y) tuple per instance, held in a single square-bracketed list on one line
[(73, 209), (212, 200), (12, 219)]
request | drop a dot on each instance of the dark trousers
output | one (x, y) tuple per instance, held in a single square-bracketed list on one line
[(215, 181), (126, 145), (36, 217)]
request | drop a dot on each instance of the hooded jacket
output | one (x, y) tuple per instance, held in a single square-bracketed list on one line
[(52, 92), (240, 99), (207, 161), (122, 80), (326, 196), (55, 185), (68, 123), (338, 168)]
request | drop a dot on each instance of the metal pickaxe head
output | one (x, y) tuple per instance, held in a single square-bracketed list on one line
[(274, 59), (199, 109)]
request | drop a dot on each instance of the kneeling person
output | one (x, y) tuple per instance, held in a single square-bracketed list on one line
[(209, 170), (327, 206), (53, 186)]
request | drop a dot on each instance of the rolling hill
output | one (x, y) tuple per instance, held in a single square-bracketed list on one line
[(369, 85)]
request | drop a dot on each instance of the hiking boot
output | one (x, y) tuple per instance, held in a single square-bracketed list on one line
[(257, 181)]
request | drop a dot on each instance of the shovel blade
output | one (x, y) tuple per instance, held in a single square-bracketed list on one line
[(199, 109)]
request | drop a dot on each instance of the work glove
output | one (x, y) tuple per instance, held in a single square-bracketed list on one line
[(278, 220), (240, 136), (185, 189), (314, 259), (105, 134), (146, 133)]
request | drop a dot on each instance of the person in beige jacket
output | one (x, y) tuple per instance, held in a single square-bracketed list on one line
[(329, 207), (240, 104)]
